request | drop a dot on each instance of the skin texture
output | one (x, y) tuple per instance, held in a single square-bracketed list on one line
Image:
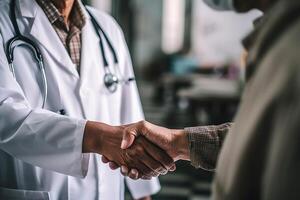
[(147, 158), (64, 7), (60, 5), (173, 142)]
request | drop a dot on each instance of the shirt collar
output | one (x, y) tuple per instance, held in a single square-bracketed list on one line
[(77, 17)]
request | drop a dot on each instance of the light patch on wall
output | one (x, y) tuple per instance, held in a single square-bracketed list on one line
[(173, 25)]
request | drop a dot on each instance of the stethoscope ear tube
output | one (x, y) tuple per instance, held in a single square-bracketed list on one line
[(45, 85)]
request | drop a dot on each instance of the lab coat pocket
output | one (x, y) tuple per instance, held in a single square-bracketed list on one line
[(13, 194)]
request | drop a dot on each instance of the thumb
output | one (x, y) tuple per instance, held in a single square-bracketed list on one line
[(128, 139)]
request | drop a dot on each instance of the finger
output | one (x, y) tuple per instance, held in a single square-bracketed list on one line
[(139, 159), (141, 169), (173, 168), (133, 174), (152, 164), (144, 170), (124, 171), (105, 160), (128, 139), (158, 154), (113, 166)]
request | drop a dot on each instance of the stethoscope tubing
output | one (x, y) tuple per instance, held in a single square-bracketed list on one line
[(31, 45)]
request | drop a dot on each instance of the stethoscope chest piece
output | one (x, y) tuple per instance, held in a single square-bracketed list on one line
[(111, 82)]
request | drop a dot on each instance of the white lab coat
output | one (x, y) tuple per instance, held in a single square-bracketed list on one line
[(41, 151)]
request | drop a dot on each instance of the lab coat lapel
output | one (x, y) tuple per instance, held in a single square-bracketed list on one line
[(90, 68), (43, 32), (90, 61)]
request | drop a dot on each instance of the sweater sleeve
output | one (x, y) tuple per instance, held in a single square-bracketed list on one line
[(205, 144)]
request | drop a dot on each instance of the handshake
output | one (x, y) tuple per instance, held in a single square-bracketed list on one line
[(142, 150)]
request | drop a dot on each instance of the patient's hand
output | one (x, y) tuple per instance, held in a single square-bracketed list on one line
[(173, 142), (148, 159)]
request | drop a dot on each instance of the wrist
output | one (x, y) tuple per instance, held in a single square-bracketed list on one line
[(88, 144), (181, 145), (100, 138), (94, 136)]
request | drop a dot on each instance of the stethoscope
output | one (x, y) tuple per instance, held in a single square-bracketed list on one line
[(111, 80)]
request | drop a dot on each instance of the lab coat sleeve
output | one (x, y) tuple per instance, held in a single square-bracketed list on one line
[(132, 112), (36, 136), (143, 188)]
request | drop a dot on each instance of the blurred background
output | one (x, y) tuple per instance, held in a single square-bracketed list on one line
[(189, 64)]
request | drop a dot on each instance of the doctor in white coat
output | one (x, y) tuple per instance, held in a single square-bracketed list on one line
[(40, 150)]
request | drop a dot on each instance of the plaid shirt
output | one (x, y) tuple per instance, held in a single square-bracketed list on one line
[(205, 144), (69, 34)]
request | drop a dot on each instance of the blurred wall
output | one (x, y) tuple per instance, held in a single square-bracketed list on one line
[(147, 30), (214, 37), (217, 35)]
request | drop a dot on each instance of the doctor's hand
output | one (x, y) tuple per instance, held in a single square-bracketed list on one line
[(146, 158), (174, 142)]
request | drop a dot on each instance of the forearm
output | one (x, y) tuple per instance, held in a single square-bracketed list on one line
[(205, 143), (89, 141)]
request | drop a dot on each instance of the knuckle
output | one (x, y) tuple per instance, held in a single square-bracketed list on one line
[(161, 169), (156, 167), (155, 174), (143, 123)]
